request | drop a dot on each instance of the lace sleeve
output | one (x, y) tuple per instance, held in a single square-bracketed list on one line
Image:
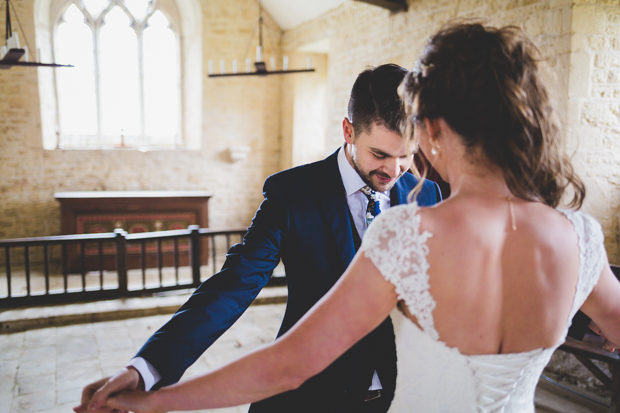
[(591, 255), (397, 248)]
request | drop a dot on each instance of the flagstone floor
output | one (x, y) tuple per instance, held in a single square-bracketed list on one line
[(44, 370)]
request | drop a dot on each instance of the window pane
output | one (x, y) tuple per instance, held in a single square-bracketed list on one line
[(76, 86), (161, 79), (120, 102)]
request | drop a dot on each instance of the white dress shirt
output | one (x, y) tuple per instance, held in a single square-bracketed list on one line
[(357, 201)]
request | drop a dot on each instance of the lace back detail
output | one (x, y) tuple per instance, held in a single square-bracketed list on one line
[(591, 257), (397, 248)]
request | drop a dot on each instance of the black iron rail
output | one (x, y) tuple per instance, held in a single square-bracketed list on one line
[(193, 248)]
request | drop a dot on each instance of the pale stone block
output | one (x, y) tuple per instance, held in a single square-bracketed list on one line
[(589, 19), (34, 402), (7, 383), (579, 83), (69, 397), (598, 114), (600, 43), (35, 368), (38, 354), (40, 338), (588, 137), (35, 384), (77, 374), (602, 60), (83, 349), (599, 76), (613, 76)]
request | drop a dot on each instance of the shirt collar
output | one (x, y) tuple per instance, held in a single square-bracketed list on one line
[(351, 180)]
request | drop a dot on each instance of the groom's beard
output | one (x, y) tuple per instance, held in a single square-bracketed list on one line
[(375, 179)]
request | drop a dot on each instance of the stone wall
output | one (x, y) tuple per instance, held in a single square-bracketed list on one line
[(579, 39), (236, 112), (594, 111)]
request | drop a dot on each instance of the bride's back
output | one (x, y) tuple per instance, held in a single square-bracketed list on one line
[(500, 290), (482, 116)]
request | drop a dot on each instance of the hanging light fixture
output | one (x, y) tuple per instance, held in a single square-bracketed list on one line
[(259, 64), (11, 53)]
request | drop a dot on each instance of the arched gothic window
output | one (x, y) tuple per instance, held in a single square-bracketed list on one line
[(126, 87)]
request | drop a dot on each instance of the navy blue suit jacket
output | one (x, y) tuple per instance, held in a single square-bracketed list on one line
[(304, 221)]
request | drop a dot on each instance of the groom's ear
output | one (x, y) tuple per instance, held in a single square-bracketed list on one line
[(348, 132)]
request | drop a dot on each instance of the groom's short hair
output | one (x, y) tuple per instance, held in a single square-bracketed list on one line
[(374, 99)]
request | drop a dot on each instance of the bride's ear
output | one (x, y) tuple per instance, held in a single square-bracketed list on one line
[(433, 127)]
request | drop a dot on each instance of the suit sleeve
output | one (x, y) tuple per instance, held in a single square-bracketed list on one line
[(219, 301)]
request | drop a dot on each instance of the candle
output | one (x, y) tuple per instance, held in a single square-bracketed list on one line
[(285, 63), (222, 67), (210, 67), (308, 62), (235, 66), (13, 41), (259, 53), (248, 65), (272, 62)]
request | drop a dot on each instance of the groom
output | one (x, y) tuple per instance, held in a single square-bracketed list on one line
[(312, 218)]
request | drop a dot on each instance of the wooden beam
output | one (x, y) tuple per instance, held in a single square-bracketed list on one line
[(392, 5)]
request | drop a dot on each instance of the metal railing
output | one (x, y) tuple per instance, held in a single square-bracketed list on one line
[(91, 267)]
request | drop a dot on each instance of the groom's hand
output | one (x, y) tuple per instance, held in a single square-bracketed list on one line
[(95, 395)]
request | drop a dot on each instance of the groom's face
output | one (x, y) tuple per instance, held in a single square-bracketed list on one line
[(380, 156)]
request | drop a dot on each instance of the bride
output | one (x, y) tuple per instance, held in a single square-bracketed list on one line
[(482, 287)]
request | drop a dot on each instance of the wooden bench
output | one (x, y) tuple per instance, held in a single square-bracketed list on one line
[(591, 348)]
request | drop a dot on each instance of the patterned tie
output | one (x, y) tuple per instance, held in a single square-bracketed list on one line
[(373, 208)]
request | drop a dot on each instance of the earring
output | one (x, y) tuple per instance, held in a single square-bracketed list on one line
[(433, 151)]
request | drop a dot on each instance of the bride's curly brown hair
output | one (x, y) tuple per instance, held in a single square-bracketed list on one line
[(486, 84)]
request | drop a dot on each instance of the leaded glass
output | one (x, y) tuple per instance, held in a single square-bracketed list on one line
[(161, 96), (77, 95), (118, 65), (134, 92)]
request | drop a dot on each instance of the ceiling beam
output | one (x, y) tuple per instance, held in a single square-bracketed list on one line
[(392, 5)]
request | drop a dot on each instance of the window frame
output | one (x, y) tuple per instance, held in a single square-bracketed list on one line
[(185, 20)]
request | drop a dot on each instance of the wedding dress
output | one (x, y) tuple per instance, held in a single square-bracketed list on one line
[(433, 377)]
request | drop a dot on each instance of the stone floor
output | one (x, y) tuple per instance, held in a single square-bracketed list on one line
[(44, 370)]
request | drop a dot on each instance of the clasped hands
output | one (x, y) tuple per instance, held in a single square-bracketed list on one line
[(121, 393)]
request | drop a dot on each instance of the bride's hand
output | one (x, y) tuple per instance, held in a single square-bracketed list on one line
[(134, 401)]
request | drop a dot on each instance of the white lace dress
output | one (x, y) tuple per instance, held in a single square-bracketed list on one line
[(433, 377)]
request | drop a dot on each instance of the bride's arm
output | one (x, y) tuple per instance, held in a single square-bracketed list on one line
[(603, 305), (357, 304)]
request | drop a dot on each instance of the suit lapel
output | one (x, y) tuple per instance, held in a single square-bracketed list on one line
[(335, 210), (333, 205), (399, 193)]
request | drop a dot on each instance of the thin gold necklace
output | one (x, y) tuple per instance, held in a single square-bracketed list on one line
[(512, 212)]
